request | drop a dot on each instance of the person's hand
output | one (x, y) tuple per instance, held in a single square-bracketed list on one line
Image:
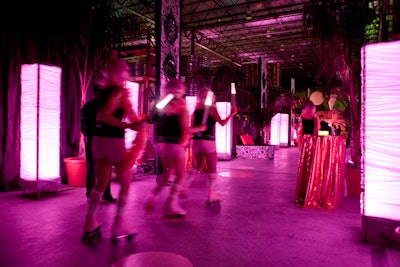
[(202, 127), (234, 110), (138, 125)]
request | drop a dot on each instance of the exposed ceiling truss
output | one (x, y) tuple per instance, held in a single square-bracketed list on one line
[(233, 32)]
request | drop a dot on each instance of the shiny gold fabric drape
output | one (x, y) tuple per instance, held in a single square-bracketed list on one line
[(321, 172)]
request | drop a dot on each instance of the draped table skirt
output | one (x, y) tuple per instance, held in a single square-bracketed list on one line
[(321, 172)]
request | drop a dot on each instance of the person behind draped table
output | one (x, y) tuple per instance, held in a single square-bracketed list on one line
[(309, 121), (309, 127)]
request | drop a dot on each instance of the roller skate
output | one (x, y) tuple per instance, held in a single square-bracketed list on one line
[(172, 211), (120, 231), (91, 237), (213, 198)]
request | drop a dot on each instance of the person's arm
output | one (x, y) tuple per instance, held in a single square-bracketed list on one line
[(136, 122), (214, 113), (184, 121), (316, 125)]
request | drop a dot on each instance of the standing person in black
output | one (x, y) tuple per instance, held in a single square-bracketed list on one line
[(88, 124), (310, 124), (309, 131)]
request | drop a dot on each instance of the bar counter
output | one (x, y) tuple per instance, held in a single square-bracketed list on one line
[(321, 172)]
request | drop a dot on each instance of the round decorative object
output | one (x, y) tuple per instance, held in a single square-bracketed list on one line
[(170, 28), (317, 98)]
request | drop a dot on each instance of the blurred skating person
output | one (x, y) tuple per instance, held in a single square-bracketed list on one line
[(108, 148), (171, 126), (203, 143)]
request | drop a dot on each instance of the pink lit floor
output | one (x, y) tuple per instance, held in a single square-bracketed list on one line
[(257, 224)]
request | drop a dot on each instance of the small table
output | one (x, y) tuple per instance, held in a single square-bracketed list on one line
[(321, 172), (153, 259)]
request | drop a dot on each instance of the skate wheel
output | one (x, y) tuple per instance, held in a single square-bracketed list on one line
[(174, 217), (214, 202), (129, 237), (92, 237)]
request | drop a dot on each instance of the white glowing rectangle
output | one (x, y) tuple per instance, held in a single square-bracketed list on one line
[(134, 98), (207, 103), (279, 129), (191, 104), (40, 122), (209, 98), (163, 102), (323, 133), (223, 134), (233, 94), (381, 126)]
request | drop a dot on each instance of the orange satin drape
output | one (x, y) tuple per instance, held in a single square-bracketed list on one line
[(321, 172)]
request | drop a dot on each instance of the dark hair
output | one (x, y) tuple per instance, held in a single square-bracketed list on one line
[(96, 88)]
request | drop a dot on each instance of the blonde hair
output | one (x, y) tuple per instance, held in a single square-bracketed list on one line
[(309, 106), (202, 95), (114, 70), (174, 86)]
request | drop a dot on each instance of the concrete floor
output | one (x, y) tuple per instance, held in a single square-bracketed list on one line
[(256, 224)]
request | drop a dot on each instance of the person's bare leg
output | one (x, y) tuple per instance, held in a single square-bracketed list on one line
[(138, 146), (102, 170), (119, 226), (166, 174), (211, 160), (172, 206), (198, 162)]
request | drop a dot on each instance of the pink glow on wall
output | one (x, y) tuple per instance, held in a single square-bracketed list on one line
[(190, 104), (279, 129), (223, 134), (380, 130), (40, 122)]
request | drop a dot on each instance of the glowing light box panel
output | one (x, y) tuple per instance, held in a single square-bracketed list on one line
[(190, 104), (40, 122), (223, 134), (380, 129), (279, 129), (134, 97)]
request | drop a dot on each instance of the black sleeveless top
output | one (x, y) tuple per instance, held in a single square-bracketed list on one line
[(208, 134), (167, 128), (104, 129), (308, 126)]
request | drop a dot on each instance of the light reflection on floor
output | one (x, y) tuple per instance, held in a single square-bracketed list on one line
[(235, 174)]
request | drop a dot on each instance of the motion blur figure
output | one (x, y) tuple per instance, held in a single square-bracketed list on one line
[(203, 143), (171, 126), (108, 146)]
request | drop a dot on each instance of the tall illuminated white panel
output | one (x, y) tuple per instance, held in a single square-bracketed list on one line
[(380, 131), (279, 129), (223, 134), (40, 122), (191, 104), (134, 98)]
